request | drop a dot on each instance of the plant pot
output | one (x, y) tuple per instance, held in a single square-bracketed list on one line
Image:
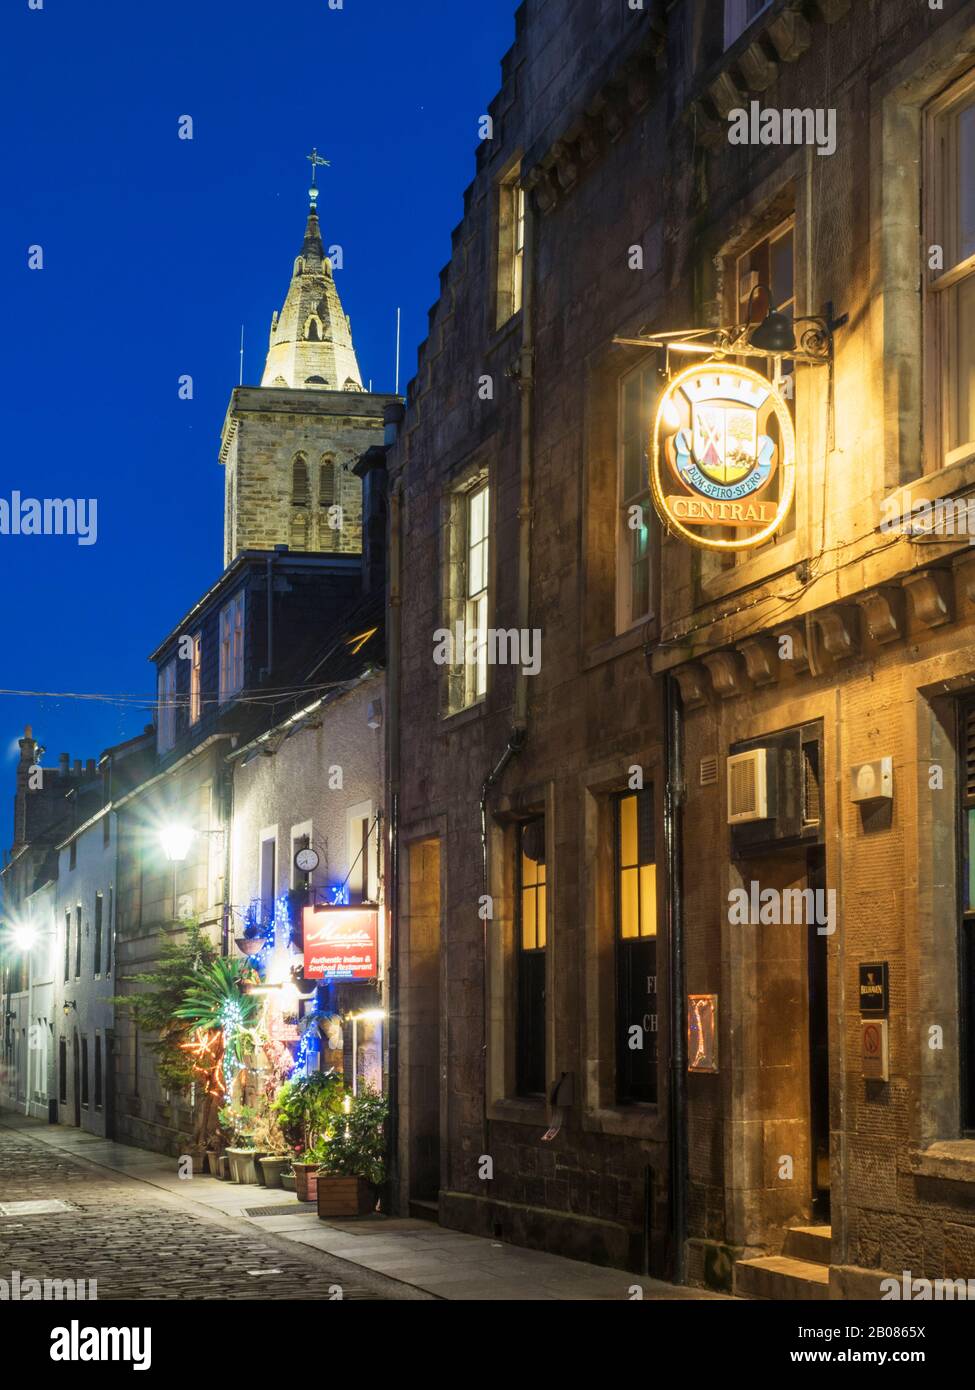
[(288, 1182), (344, 1196), (243, 1165), (212, 1163), (250, 945), (306, 1181), (223, 1168), (271, 1168)]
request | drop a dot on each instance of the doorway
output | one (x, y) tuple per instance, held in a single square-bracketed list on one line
[(818, 1010), (420, 1014), (77, 1080)]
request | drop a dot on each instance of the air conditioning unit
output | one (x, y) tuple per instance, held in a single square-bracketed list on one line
[(872, 781), (748, 787), (775, 793)]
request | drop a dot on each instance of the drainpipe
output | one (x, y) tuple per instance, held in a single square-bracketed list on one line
[(673, 835)]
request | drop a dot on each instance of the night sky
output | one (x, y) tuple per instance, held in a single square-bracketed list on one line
[(157, 249)]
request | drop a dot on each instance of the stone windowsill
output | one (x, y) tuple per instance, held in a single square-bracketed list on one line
[(951, 1160), (612, 647)]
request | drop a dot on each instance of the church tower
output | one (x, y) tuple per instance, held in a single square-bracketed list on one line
[(289, 445)]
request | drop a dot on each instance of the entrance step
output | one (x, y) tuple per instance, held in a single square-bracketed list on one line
[(422, 1210), (781, 1277), (810, 1243)]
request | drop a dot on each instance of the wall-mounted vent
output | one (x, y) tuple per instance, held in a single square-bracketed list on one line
[(709, 772), (747, 787)]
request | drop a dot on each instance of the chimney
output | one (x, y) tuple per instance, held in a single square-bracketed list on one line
[(90, 767), (77, 767), (64, 765)]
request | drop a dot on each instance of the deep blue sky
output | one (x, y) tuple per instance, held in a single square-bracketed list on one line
[(156, 250)]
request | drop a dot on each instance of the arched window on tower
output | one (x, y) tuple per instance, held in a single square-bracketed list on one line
[(299, 482), (313, 329), (326, 482)]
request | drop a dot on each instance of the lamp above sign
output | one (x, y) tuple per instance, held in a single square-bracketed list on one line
[(722, 438)]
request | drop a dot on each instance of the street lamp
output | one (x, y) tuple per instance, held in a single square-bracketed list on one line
[(176, 840)]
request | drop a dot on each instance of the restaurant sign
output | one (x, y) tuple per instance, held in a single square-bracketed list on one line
[(341, 943), (723, 455)]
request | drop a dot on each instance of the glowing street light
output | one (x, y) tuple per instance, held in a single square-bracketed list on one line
[(176, 841), (23, 936)]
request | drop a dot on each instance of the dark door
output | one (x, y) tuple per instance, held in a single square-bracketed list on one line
[(818, 1046), (77, 1081), (108, 1062)]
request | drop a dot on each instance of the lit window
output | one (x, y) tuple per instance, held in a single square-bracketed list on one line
[(950, 198), (166, 709), (531, 941), (738, 14), (476, 576), (633, 592), (765, 279), (195, 658), (511, 248), (636, 948), (232, 648)]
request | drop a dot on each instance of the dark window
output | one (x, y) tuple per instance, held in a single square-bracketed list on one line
[(636, 949), (98, 1071), (267, 880), (108, 933), (326, 484), (299, 483), (67, 946), (967, 944), (531, 930), (77, 943), (301, 878), (73, 854), (97, 950), (63, 1071), (84, 1071)]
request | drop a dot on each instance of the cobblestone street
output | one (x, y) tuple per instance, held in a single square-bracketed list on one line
[(139, 1242)]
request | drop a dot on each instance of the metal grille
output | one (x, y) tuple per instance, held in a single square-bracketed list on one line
[(970, 753), (709, 771)]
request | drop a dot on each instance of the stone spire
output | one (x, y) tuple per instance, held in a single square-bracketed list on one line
[(311, 339)]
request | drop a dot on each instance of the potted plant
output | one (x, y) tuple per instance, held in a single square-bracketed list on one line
[(288, 1179), (306, 1108), (272, 1145), (353, 1158), (242, 1152)]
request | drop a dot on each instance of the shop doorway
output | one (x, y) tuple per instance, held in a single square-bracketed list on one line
[(818, 1010)]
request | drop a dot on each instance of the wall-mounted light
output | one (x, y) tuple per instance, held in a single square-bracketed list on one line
[(176, 840)]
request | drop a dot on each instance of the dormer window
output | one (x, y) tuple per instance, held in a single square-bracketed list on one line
[(232, 648)]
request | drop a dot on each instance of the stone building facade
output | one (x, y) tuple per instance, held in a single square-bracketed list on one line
[(844, 641)]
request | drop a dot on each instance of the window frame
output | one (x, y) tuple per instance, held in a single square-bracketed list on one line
[(625, 953), (511, 231), (530, 969), (942, 287), (231, 656), (737, 19), (966, 916), (475, 673), (166, 707), (196, 663)]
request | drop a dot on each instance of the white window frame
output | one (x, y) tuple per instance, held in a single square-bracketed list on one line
[(166, 707), (477, 561), (737, 18), (269, 835), (232, 648), (512, 209), (942, 288), (195, 662)]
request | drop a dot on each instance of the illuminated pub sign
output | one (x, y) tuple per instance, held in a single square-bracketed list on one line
[(723, 457), (341, 943)]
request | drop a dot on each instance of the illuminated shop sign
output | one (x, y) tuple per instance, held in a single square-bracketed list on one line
[(341, 943), (722, 439)]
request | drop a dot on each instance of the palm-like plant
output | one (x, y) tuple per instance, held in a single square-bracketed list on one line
[(216, 1002)]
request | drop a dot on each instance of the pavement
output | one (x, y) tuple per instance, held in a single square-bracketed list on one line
[(145, 1233)]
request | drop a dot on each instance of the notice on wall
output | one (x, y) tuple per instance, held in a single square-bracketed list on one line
[(341, 943), (876, 1056)]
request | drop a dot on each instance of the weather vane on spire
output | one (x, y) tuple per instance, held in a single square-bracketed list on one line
[(316, 160)]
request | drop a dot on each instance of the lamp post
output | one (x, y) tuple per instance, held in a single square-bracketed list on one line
[(23, 936)]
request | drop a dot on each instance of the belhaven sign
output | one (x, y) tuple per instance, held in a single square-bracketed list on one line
[(722, 437), (341, 943)]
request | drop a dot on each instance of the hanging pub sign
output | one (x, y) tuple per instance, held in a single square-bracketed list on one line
[(723, 455), (341, 943)]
